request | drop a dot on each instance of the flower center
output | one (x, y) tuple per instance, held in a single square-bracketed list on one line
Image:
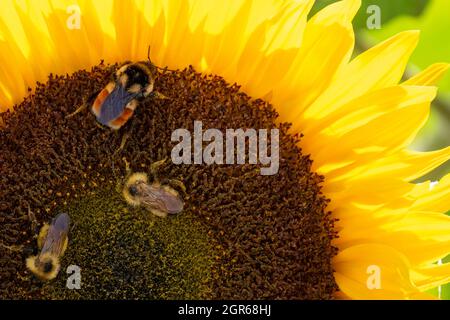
[(241, 235), (126, 253)]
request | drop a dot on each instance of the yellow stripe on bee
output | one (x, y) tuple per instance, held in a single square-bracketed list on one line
[(36, 264), (42, 235), (135, 177)]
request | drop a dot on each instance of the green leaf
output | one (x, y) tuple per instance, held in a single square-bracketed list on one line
[(434, 25), (445, 289), (389, 8)]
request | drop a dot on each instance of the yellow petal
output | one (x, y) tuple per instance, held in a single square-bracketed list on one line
[(385, 63), (327, 44), (405, 164), (424, 237), (359, 111), (376, 191), (271, 49), (432, 197), (356, 273), (429, 77), (385, 132), (431, 277)]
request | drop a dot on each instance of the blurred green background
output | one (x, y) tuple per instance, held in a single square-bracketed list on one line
[(432, 18)]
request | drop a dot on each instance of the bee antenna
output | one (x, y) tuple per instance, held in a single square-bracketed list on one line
[(151, 63), (148, 55)]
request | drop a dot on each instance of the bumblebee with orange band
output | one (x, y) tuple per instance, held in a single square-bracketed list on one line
[(115, 104)]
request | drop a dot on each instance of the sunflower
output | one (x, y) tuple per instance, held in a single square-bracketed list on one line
[(355, 117)]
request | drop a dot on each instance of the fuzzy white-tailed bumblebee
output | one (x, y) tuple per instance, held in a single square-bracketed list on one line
[(52, 243), (159, 199)]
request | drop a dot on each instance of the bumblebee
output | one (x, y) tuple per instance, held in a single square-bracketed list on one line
[(52, 243), (158, 197), (114, 105)]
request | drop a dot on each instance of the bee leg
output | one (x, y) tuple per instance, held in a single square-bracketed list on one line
[(154, 168), (127, 166), (122, 143), (158, 213), (125, 137), (86, 102), (33, 220), (175, 184), (73, 227), (120, 183), (81, 108), (100, 126), (158, 95)]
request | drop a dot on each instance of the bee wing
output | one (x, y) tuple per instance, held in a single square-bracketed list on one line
[(114, 104), (157, 197), (57, 235)]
